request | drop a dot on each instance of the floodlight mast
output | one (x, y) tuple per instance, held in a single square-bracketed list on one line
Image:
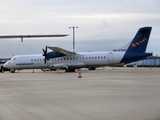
[(73, 27)]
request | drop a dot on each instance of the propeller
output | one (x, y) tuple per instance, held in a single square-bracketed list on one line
[(45, 54)]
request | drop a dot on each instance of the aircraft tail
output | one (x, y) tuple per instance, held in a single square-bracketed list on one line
[(137, 47), (140, 41)]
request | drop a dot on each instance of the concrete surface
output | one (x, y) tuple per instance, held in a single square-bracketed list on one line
[(104, 94)]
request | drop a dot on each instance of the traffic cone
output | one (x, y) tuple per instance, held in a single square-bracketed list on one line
[(58, 71), (79, 73), (2, 70)]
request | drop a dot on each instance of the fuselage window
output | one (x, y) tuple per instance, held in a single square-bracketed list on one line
[(95, 57), (64, 58), (67, 58), (98, 57), (104, 56), (70, 58), (31, 59), (89, 57), (73, 58), (34, 59), (37, 59)]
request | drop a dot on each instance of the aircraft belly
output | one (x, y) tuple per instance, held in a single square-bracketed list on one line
[(95, 63), (30, 67), (72, 64)]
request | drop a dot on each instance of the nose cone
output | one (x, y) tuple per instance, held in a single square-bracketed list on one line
[(5, 65)]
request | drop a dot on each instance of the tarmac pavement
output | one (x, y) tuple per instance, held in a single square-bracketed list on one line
[(103, 94)]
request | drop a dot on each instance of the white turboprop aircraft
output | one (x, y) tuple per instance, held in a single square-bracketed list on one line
[(60, 58)]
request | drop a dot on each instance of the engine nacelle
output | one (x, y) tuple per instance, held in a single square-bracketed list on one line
[(72, 65), (59, 66)]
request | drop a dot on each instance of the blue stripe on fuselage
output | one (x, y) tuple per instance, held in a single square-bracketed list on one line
[(131, 57)]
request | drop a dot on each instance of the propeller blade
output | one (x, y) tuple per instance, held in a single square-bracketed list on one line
[(45, 60), (46, 48), (45, 55), (44, 52)]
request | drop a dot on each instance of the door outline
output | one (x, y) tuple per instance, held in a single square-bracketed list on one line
[(110, 58)]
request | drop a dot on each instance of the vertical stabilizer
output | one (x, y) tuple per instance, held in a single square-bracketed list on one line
[(137, 47), (140, 41)]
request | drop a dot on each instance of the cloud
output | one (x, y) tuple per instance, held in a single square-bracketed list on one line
[(102, 20)]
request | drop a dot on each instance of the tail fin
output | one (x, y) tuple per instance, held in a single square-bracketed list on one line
[(137, 47), (140, 41)]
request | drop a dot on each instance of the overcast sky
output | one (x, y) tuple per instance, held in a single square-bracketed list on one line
[(102, 24)]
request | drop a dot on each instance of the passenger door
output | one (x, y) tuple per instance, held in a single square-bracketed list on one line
[(110, 58)]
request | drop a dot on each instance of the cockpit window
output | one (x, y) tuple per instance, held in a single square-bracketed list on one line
[(13, 59)]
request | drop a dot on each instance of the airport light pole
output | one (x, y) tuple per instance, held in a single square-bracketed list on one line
[(73, 27)]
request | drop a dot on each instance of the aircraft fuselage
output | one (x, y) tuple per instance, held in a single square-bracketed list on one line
[(87, 59)]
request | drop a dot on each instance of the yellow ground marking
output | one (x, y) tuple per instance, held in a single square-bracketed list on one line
[(11, 94), (91, 92)]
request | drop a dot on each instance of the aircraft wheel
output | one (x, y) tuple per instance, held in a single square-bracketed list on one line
[(12, 70), (70, 70), (92, 68)]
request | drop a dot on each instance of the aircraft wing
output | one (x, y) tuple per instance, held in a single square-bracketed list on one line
[(32, 36), (57, 49)]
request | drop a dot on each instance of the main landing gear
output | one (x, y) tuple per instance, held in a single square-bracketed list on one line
[(70, 70), (91, 68)]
